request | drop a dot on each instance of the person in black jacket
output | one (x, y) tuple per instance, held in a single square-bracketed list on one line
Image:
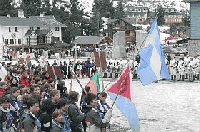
[(76, 117), (47, 109)]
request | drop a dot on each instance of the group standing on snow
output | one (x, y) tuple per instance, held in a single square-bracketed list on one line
[(32, 101)]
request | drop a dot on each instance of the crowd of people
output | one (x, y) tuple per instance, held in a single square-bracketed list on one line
[(32, 101), (184, 68)]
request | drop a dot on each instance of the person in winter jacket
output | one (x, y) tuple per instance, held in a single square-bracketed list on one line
[(75, 116), (94, 116), (62, 105), (102, 104), (6, 117), (28, 118), (2, 88), (57, 121), (24, 80)]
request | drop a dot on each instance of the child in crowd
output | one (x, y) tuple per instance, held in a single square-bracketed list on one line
[(102, 104)]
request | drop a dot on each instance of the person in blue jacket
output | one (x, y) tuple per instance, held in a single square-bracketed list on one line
[(62, 105)]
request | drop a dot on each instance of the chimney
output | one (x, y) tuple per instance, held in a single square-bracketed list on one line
[(20, 13), (42, 14)]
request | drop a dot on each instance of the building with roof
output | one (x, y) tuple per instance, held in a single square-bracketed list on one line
[(194, 41), (137, 11), (172, 16), (124, 24), (32, 31), (91, 41)]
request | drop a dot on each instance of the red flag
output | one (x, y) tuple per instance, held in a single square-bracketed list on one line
[(122, 84), (93, 87)]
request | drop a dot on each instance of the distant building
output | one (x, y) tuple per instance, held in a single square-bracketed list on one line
[(172, 16), (194, 42), (91, 42), (137, 11), (35, 30), (125, 24)]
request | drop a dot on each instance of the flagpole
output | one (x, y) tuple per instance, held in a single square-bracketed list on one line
[(121, 90), (101, 73), (75, 56), (115, 98), (79, 82), (54, 72)]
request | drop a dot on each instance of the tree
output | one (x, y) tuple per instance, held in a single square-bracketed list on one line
[(73, 19), (5, 7), (101, 8), (31, 7), (119, 11), (160, 15), (46, 7)]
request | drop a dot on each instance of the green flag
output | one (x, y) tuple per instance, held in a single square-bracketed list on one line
[(95, 78)]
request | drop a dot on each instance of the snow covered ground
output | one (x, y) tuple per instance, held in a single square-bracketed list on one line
[(162, 107)]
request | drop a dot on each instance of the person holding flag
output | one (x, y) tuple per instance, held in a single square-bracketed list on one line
[(94, 117), (120, 92)]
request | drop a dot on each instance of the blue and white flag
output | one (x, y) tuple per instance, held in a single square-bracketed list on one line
[(152, 61)]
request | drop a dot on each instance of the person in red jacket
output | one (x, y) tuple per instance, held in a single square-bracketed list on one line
[(24, 80), (2, 88)]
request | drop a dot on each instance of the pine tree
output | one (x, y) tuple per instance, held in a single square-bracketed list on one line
[(101, 8), (31, 7), (119, 13), (5, 7), (160, 15)]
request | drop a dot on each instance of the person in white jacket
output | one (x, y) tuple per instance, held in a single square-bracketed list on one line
[(95, 121)]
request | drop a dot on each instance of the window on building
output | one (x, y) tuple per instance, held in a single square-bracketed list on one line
[(19, 41), (16, 29), (132, 9), (9, 29), (6, 41), (127, 32), (57, 28), (11, 41), (56, 39)]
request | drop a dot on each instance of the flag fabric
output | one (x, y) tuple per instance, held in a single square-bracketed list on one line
[(120, 92), (94, 83), (122, 84), (152, 65)]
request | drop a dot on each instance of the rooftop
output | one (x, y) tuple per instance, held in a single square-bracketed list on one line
[(88, 39), (30, 22)]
